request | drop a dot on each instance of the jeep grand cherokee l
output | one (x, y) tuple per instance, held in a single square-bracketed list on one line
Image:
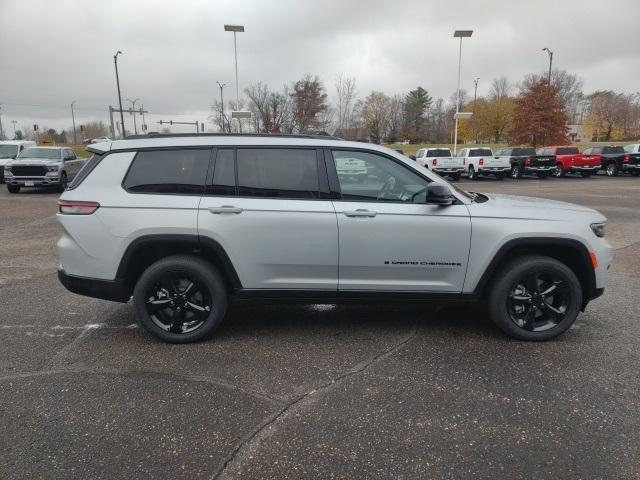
[(183, 223)]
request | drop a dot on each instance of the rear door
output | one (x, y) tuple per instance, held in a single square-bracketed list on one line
[(268, 208), (390, 239)]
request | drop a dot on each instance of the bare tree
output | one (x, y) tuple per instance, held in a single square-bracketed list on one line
[(309, 102), (396, 117), (569, 85), (258, 94), (500, 88), (375, 112), (346, 96)]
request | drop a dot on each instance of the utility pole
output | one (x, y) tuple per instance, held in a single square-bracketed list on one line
[(221, 85), (475, 98), (114, 127), (458, 34), (144, 122), (15, 134), (115, 61), (73, 119), (1, 132), (550, 53), (133, 110), (235, 29)]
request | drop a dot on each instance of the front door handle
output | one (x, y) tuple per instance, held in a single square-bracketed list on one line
[(225, 209), (360, 213)]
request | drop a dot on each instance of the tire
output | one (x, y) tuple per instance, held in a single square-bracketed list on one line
[(62, 186), (516, 171), (169, 281), (13, 188), (611, 169), (585, 174), (473, 175), (543, 317), (560, 171)]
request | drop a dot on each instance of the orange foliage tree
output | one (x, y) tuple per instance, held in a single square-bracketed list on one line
[(539, 117)]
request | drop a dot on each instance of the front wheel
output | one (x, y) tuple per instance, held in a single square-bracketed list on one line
[(473, 175), (560, 171), (611, 170), (516, 171), (180, 299), (535, 298), (62, 186), (13, 188)]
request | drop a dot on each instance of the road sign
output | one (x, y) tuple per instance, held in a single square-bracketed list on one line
[(462, 115), (240, 114), (234, 28)]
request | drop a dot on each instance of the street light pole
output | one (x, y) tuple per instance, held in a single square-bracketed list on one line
[(1, 132), (475, 98), (550, 53), (115, 61), (73, 120), (133, 108), (459, 34), (235, 29), (15, 133), (221, 85)]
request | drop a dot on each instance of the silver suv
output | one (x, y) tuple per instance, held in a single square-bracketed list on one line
[(181, 224)]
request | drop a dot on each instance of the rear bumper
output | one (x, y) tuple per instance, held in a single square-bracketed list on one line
[(593, 168), (630, 167), (494, 169), (545, 169), (114, 290), (448, 170)]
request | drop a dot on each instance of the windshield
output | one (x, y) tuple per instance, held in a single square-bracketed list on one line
[(49, 153), (8, 151), (439, 152)]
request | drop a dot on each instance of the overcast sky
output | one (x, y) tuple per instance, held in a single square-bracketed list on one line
[(53, 52)]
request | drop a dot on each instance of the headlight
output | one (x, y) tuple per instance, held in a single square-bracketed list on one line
[(598, 229), (52, 169)]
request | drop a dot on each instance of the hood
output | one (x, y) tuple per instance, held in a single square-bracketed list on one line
[(512, 206), (35, 161)]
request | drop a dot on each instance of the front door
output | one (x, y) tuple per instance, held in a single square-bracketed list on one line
[(269, 209), (389, 238)]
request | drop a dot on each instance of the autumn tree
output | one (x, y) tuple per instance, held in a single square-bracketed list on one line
[(539, 117), (309, 104), (375, 110), (613, 116)]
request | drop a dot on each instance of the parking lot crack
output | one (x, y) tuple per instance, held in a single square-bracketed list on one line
[(250, 442)]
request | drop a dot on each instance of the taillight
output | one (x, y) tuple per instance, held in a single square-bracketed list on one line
[(435, 162), (527, 161), (481, 162), (464, 161), (77, 207), (626, 159)]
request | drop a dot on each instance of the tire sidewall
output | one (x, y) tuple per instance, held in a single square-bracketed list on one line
[(205, 273), (515, 270)]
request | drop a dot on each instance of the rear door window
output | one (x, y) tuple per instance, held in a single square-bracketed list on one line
[(278, 173), (567, 151), (179, 171)]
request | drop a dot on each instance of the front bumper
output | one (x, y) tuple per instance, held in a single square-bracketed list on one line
[(114, 290), (33, 181)]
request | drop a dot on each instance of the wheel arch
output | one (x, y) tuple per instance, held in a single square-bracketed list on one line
[(145, 250), (572, 253)]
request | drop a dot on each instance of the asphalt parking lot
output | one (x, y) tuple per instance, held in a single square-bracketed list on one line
[(316, 391)]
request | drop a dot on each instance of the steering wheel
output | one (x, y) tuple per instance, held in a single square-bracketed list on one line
[(387, 187)]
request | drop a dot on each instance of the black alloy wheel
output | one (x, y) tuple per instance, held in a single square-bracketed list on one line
[(516, 171), (612, 169)]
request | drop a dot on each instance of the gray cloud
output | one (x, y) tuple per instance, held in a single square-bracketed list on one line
[(175, 51)]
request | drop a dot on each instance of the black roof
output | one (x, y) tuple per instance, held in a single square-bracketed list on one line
[(323, 136)]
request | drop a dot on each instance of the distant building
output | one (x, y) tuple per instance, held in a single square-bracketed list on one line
[(579, 133)]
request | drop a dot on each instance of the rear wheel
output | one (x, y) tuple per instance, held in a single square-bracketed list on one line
[(516, 171), (13, 188), (180, 299), (535, 298), (612, 169), (473, 175), (560, 171)]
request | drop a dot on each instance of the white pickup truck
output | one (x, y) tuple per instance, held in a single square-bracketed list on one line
[(441, 161), (480, 161)]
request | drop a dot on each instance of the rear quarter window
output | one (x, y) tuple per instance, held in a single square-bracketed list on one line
[(180, 171), (86, 169)]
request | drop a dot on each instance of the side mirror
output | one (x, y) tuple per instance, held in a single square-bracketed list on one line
[(412, 157), (439, 195)]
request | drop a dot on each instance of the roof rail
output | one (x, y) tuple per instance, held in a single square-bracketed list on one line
[(323, 136)]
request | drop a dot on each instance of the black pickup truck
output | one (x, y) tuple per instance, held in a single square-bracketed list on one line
[(614, 159), (525, 160)]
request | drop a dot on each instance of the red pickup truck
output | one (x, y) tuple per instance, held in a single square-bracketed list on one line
[(568, 159)]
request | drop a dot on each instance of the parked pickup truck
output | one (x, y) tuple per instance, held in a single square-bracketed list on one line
[(524, 160), (613, 159), (42, 167), (568, 159), (633, 165), (481, 161), (441, 161)]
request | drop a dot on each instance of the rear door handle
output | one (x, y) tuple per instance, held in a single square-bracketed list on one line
[(225, 209), (360, 213)]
